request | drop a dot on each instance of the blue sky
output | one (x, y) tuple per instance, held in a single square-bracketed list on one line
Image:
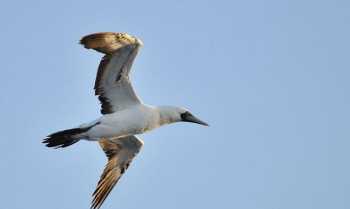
[(271, 77)]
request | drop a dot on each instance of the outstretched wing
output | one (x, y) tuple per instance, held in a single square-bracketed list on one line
[(112, 84), (120, 153)]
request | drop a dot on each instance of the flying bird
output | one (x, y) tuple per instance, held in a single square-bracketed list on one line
[(124, 115)]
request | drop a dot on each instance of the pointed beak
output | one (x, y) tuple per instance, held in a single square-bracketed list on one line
[(192, 119)]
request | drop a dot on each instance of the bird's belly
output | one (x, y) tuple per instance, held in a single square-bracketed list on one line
[(116, 128)]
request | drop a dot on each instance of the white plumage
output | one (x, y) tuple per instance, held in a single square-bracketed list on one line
[(124, 115)]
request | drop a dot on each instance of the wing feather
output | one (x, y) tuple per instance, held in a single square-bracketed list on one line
[(120, 152), (112, 84), (108, 42)]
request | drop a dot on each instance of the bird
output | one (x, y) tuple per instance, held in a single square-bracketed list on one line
[(124, 115)]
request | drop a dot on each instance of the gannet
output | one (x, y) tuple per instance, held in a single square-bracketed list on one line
[(124, 115)]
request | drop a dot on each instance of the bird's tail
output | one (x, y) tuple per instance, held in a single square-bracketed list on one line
[(65, 138)]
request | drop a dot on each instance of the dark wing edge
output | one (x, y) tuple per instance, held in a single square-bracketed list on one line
[(112, 79), (120, 50), (106, 107)]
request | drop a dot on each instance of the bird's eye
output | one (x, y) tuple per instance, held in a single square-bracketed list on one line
[(185, 115)]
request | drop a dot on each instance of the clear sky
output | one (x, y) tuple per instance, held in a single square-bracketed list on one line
[(270, 77)]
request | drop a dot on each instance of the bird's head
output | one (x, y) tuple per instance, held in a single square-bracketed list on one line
[(170, 114)]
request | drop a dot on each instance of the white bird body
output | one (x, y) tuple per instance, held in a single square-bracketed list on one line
[(124, 115), (134, 120)]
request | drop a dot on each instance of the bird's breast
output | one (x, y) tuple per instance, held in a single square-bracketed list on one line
[(130, 122)]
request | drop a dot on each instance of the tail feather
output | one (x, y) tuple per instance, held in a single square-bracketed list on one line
[(64, 138)]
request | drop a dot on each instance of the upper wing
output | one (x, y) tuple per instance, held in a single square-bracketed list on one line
[(120, 153), (112, 83)]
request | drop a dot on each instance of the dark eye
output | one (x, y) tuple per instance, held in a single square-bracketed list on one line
[(185, 115)]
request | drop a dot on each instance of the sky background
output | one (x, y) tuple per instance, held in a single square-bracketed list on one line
[(270, 77)]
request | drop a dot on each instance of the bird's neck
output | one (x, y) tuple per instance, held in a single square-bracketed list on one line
[(167, 115)]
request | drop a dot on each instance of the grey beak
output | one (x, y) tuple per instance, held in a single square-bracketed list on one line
[(188, 117)]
